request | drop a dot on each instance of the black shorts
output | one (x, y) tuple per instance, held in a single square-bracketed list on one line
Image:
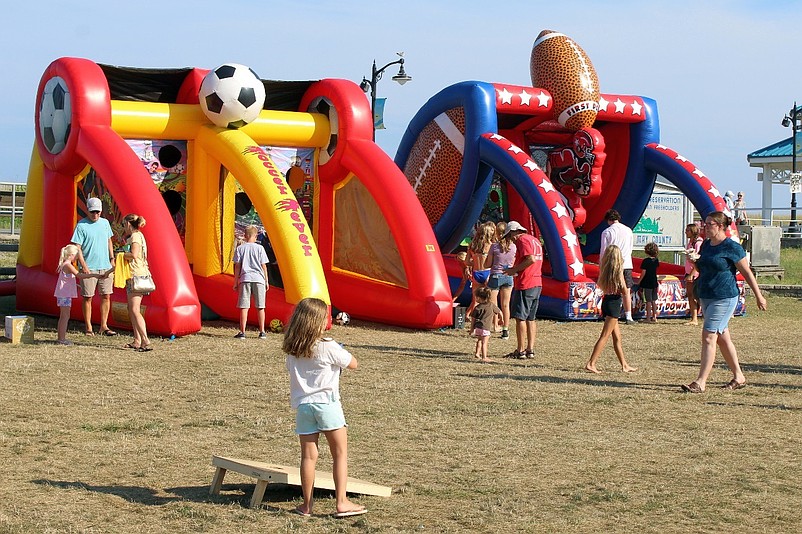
[(611, 306)]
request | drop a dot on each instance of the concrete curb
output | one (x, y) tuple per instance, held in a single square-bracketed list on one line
[(780, 290)]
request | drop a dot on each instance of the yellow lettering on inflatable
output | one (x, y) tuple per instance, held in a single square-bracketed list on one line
[(278, 209)]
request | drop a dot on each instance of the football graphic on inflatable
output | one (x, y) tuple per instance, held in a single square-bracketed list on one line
[(435, 161), (560, 66), (231, 95)]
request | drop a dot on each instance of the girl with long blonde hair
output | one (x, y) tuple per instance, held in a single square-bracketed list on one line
[(66, 290), (314, 364), (611, 281), (477, 256), (692, 248), (500, 257)]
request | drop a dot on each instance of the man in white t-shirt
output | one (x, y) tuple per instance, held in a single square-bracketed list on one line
[(620, 235)]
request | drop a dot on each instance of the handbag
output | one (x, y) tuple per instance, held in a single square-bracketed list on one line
[(143, 284)]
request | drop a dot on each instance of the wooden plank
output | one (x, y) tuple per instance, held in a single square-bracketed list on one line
[(282, 474)]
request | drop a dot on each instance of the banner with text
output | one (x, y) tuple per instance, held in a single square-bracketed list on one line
[(664, 221)]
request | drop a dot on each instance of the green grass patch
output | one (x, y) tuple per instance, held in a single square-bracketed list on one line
[(791, 261), (129, 427)]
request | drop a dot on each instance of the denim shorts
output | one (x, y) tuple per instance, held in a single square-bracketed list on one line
[(499, 280), (524, 303), (717, 313), (319, 417)]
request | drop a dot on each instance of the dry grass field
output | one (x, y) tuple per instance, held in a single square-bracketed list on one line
[(96, 438)]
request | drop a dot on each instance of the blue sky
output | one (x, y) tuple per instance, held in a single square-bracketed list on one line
[(720, 71)]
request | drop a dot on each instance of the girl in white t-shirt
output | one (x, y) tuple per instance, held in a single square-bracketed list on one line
[(66, 290), (314, 364)]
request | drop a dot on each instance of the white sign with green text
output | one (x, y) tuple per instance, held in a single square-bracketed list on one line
[(664, 221)]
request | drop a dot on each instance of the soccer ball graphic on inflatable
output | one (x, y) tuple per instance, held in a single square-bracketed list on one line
[(342, 318), (231, 95), (276, 326), (55, 115)]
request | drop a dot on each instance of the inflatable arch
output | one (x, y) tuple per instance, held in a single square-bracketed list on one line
[(472, 130), (355, 252)]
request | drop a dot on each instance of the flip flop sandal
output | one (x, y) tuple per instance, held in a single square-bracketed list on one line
[(131, 346), (693, 387), (146, 348), (89, 333), (108, 332), (301, 513), (733, 384), (349, 513)]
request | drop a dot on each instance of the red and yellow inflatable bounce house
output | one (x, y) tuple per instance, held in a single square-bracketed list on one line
[(139, 140)]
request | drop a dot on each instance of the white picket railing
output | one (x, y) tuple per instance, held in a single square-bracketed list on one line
[(12, 200)]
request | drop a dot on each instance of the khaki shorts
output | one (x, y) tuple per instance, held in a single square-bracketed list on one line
[(248, 289), (104, 286)]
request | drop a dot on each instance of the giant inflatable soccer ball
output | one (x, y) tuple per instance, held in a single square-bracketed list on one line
[(232, 95), (55, 115)]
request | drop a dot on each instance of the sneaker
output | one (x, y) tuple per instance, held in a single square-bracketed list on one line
[(66, 342), (632, 321), (505, 334), (262, 335), (530, 354), (522, 355), (240, 335)]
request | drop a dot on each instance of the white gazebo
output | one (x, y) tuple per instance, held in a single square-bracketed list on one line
[(775, 161)]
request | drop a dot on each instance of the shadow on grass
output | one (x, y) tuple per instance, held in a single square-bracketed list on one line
[(762, 406), (746, 367), (577, 381), (230, 493), (410, 352), (777, 369)]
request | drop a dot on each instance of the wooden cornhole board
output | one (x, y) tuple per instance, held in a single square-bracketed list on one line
[(282, 474)]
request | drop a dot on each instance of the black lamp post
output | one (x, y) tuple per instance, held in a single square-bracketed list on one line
[(792, 119), (376, 75)]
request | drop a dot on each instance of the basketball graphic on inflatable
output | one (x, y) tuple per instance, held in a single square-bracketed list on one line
[(560, 66)]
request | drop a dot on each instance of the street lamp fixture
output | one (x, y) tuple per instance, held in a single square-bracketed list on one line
[(792, 119), (376, 74)]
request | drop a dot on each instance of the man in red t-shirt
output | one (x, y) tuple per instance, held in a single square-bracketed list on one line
[(527, 286)]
